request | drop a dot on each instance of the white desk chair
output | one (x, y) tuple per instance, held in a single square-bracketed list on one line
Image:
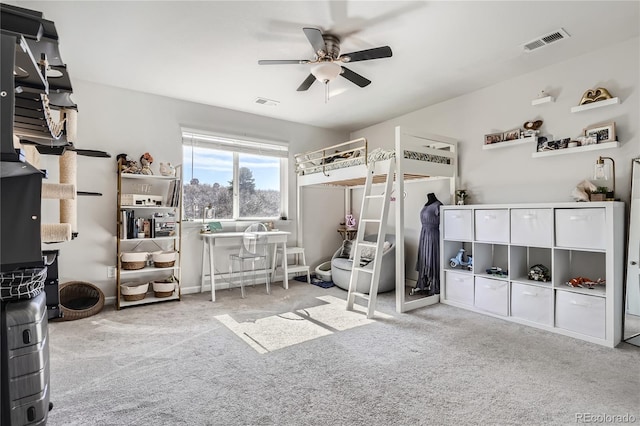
[(254, 250)]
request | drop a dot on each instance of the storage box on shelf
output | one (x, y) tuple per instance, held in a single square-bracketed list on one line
[(148, 238), (524, 256)]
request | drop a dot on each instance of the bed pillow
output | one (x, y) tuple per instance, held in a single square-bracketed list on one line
[(368, 254)]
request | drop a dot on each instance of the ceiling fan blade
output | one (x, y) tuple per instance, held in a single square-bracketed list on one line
[(314, 36), (306, 83), (365, 55), (355, 77), (282, 61)]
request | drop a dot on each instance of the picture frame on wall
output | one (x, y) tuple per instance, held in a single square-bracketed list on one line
[(493, 138), (602, 132), (511, 135)]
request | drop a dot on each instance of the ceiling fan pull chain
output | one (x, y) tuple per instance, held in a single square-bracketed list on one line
[(326, 92)]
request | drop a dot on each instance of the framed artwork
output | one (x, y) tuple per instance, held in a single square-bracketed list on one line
[(602, 133), (493, 138), (512, 135)]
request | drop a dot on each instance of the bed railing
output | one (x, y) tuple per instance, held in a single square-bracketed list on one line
[(334, 154)]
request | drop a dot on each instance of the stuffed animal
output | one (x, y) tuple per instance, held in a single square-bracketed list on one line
[(145, 160), (128, 166), (166, 169)]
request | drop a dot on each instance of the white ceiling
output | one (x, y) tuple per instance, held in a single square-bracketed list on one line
[(208, 51)]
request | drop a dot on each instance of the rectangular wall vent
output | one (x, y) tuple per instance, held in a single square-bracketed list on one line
[(545, 40), (265, 101)]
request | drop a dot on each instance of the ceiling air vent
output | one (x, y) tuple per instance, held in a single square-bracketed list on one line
[(546, 39), (265, 101)]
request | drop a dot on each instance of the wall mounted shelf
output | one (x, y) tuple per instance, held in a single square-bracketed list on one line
[(505, 144), (545, 100), (598, 104), (595, 147)]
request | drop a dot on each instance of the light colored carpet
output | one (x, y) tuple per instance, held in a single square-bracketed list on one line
[(175, 363)]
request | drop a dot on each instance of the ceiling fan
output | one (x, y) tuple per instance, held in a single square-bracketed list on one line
[(327, 60)]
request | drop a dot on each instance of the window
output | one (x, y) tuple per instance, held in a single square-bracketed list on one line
[(232, 178)]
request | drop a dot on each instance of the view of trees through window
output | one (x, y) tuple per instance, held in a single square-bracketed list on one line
[(208, 183)]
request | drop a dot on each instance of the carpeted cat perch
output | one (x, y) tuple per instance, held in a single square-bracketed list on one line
[(66, 190)]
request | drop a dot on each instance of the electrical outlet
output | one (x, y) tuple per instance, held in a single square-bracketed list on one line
[(111, 271)]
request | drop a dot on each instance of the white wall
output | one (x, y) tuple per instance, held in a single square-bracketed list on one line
[(118, 121), (511, 175), (121, 121)]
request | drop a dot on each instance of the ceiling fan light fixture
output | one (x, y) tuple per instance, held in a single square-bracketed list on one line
[(326, 71)]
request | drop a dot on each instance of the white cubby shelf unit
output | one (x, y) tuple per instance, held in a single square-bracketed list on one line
[(570, 239)]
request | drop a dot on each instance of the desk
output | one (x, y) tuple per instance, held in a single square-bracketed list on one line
[(209, 242)]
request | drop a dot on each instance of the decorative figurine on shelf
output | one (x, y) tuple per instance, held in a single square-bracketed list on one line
[(166, 169), (595, 95), (145, 161), (584, 282), (461, 194), (539, 272), (350, 222), (532, 125), (459, 260), (582, 191), (128, 166)]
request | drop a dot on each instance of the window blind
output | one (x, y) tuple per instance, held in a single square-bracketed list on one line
[(242, 144)]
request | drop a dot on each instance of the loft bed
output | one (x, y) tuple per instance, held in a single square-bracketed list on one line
[(345, 164), (418, 156)]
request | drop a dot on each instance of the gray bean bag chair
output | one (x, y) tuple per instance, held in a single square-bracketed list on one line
[(341, 267)]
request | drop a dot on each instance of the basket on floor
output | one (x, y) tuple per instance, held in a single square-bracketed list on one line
[(79, 299)]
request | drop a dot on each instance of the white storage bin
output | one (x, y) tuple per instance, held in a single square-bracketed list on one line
[(459, 287), (532, 227), (581, 228), (458, 225), (492, 225), (492, 295), (581, 313), (532, 303)]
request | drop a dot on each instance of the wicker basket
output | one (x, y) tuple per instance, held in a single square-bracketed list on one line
[(79, 299), (164, 264), (160, 294), (133, 291), (133, 297), (133, 265)]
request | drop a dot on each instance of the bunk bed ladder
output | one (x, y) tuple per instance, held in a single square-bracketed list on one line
[(373, 274)]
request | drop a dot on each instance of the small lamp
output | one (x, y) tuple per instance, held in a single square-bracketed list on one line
[(602, 173)]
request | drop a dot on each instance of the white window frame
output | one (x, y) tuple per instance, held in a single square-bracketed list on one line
[(243, 145)]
